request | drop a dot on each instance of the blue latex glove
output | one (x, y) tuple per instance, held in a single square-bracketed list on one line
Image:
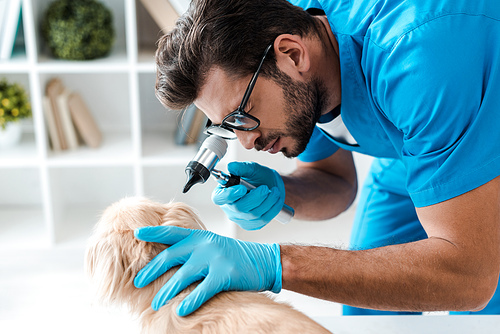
[(252, 209), (221, 263)]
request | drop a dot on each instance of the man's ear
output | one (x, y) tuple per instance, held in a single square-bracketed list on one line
[(292, 54)]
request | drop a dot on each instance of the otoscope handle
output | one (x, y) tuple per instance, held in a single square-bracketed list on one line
[(286, 213), (284, 216)]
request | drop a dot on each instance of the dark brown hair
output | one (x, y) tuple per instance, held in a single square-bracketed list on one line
[(230, 34)]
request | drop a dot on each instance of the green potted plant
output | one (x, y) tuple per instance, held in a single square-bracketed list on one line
[(78, 29), (14, 106)]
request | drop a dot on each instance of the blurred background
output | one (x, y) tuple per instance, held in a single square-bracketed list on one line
[(80, 128)]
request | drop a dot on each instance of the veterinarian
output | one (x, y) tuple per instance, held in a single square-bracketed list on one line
[(414, 83)]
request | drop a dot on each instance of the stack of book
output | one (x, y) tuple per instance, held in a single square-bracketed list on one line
[(10, 22), (69, 121), (192, 121), (162, 12)]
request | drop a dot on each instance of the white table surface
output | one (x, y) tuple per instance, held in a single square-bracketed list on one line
[(446, 324), (118, 322)]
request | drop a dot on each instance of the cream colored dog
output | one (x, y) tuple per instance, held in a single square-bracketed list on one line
[(114, 256)]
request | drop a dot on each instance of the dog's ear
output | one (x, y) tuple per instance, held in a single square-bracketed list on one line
[(112, 261), (106, 264), (182, 215), (114, 255)]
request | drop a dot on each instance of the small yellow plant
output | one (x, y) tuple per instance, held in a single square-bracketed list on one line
[(14, 103)]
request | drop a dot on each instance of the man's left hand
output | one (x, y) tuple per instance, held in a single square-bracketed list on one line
[(221, 263)]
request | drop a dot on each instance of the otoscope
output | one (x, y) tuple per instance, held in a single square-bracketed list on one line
[(198, 170)]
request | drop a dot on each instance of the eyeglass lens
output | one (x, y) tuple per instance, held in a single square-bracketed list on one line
[(240, 121)]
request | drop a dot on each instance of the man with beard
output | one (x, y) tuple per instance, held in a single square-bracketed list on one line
[(414, 84)]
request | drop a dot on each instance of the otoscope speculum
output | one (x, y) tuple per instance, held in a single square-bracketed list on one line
[(210, 153)]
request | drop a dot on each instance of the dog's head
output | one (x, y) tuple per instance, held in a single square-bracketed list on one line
[(114, 255)]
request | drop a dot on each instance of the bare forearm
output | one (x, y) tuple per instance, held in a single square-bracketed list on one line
[(456, 268), (420, 276), (314, 198), (319, 192)]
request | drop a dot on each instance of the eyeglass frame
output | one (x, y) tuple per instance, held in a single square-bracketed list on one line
[(241, 108)]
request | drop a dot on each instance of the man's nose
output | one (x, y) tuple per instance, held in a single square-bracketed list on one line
[(247, 138)]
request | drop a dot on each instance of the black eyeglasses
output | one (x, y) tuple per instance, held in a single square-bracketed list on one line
[(238, 119)]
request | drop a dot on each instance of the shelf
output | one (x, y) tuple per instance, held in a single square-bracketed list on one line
[(81, 193), (22, 219), (20, 186), (146, 61), (22, 228), (50, 198), (22, 155), (18, 63), (158, 148), (77, 224), (116, 150), (115, 62)]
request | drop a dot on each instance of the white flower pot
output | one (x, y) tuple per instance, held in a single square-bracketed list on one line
[(11, 135)]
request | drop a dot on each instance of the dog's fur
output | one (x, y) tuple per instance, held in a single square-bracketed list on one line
[(114, 256)]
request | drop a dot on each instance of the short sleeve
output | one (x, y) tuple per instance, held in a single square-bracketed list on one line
[(306, 4), (440, 87), (318, 148)]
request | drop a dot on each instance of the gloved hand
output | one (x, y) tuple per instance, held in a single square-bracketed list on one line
[(222, 263), (252, 209)]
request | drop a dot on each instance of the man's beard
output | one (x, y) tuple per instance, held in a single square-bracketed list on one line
[(304, 102)]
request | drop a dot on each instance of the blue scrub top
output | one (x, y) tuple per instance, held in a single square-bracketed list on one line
[(420, 82)]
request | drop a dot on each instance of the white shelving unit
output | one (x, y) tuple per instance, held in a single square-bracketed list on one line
[(50, 198)]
